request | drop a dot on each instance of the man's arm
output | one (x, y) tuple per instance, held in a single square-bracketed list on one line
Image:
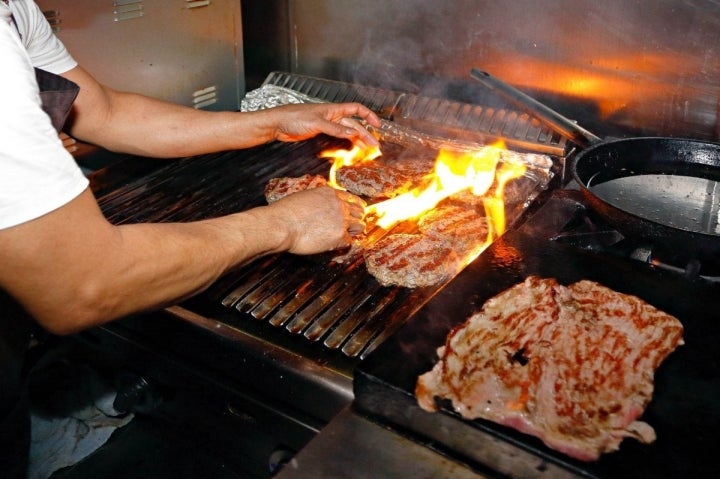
[(71, 269), (137, 124)]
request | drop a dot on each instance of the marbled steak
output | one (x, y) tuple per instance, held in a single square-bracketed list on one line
[(571, 365)]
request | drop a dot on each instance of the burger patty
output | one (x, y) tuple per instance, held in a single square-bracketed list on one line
[(373, 180), (571, 365), (416, 167), (411, 260), (461, 227), (278, 188)]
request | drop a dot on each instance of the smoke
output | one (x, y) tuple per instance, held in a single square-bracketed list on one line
[(447, 39), (619, 65)]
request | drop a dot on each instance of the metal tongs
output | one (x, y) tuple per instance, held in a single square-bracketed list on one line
[(554, 120)]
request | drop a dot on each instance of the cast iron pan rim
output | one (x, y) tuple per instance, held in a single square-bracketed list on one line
[(614, 145)]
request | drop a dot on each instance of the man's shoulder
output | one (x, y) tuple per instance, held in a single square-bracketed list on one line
[(45, 50)]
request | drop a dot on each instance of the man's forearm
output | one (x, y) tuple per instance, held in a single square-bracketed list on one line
[(153, 265), (145, 126), (137, 124), (72, 270)]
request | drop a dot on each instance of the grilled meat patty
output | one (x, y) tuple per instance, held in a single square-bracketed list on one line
[(411, 260), (385, 178), (278, 188), (461, 227), (373, 180), (415, 167), (571, 365)]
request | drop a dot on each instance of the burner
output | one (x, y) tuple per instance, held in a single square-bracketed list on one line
[(567, 219)]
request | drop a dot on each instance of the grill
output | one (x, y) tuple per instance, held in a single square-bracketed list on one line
[(339, 306), (311, 335), (272, 346)]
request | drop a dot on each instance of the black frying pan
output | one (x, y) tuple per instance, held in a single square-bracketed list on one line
[(664, 190)]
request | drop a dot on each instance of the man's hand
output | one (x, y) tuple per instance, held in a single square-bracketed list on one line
[(319, 219), (300, 122)]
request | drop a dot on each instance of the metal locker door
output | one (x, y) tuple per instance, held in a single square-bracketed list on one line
[(184, 51)]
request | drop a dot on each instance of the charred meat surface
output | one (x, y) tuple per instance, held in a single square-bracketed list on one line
[(573, 366), (385, 177), (462, 227), (278, 188), (415, 167), (411, 260), (373, 181)]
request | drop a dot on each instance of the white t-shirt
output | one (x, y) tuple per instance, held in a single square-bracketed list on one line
[(37, 174)]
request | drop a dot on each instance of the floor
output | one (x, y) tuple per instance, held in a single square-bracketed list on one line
[(145, 449), (77, 433)]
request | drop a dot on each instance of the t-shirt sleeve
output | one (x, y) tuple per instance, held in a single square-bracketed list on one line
[(45, 49), (37, 174)]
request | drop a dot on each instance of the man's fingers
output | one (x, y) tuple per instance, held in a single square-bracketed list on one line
[(357, 211), (355, 129), (356, 227)]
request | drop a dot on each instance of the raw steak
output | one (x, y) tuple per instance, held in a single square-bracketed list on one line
[(278, 188), (572, 365)]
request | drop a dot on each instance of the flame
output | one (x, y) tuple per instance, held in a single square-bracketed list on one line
[(454, 172), (495, 205), (341, 157)]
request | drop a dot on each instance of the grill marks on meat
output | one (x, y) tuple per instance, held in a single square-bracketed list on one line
[(278, 188), (384, 179), (571, 365), (373, 181), (416, 167), (447, 235), (411, 260), (461, 227)]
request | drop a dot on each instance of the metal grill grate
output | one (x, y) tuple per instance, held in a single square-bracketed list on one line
[(338, 306)]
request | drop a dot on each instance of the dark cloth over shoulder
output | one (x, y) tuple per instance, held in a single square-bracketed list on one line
[(57, 95)]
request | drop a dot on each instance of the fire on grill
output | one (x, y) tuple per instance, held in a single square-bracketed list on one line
[(438, 213)]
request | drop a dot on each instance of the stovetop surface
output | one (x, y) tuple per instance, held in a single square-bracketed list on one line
[(684, 411)]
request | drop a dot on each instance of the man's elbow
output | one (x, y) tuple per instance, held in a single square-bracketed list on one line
[(83, 308), (60, 327)]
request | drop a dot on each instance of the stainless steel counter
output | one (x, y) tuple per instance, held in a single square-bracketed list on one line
[(353, 447)]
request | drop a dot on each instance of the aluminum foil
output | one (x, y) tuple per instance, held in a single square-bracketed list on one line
[(269, 96)]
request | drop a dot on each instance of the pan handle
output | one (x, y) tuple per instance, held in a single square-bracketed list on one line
[(564, 126)]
